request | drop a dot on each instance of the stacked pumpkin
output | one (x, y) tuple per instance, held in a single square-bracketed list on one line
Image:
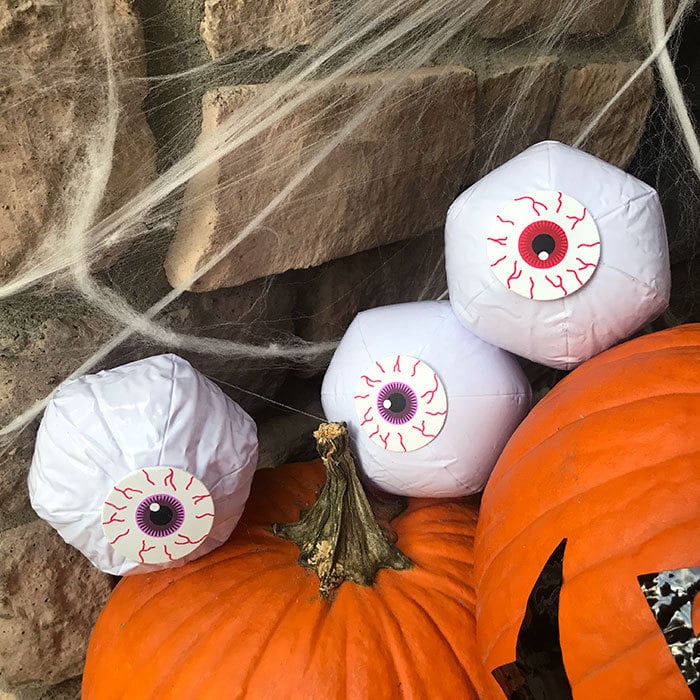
[(587, 564)]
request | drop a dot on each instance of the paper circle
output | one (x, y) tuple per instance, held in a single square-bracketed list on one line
[(543, 245), (157, 515), (401, 403)]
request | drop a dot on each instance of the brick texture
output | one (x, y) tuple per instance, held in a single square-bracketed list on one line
[(586, 91), (391, 180)]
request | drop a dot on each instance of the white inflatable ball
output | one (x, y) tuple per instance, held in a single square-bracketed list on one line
[(557, 255), (142, 467), (429, 406)]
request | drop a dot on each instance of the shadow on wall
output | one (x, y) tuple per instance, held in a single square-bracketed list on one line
[(663, 165)]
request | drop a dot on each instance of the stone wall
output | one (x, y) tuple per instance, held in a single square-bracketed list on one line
[(379, 245)]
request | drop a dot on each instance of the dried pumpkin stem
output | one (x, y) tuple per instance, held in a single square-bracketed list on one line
[(339, 536)]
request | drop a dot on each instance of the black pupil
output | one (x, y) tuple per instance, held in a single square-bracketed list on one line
[(397, 401), (162, 516), (543, 243)]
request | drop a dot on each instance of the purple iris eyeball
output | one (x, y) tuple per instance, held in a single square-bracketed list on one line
[(429, 406), (144, 466)]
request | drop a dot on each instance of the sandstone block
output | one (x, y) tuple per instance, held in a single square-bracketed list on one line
[(392, 179), (46, 350), (259, 313), (52, 107), (334, 293), (68, 690), (14, 467), (237, 25), (514, 110), (289, 437), (50, 597), (500, 17), (586, 91), (641, 17)]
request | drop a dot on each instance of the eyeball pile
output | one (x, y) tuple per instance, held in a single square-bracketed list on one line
[(429, 406), (144, 466), (557, 255)]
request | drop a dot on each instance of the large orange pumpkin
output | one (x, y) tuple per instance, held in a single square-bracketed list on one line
[(246, 621), (588, 545)]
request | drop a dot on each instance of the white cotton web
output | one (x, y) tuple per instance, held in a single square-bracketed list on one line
[(605, 272), (92, 223), (429, 406), (143, 466)]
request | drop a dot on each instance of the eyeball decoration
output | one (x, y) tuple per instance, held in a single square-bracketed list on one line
[(429, 406), (144, 466), (173, 512), (539, 250), (404, 398), (557, 255)]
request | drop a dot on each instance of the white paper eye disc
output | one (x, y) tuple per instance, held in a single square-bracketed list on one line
[(543, 245), (157, 515), (401, 403)]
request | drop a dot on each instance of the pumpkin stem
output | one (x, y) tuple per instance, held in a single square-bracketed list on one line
[(339, 536)]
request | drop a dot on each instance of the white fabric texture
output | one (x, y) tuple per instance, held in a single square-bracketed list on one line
[(630, 286), (154, 412), (487, 397)]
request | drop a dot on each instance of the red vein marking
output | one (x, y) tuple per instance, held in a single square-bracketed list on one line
[(188, 540), (361, 396), (578, 279), (114, 519), (576, 219), (532, 286), (560, 202), (366, 418), (535, 204), (124, 493), (584, 264), (169, 478), (504, 221), (107, 503), (143, 550), (500, 241), (204, 515), (431, 391), (437, 413), (118, 537), (588, 245), (499, 260), (370, 382), (380, 367), (148, 478), (165, 549), (514, 276), (401, 441), (375, 432), (198, 499), (189, 483), (421, 430), (413, 374), (557, 286), (397, 367), (385, 440)]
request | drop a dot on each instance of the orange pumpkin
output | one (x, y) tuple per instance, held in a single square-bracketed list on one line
[(590, 522), (246, 621)]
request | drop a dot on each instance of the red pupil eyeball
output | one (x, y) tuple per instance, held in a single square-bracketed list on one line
[(543, 244)]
